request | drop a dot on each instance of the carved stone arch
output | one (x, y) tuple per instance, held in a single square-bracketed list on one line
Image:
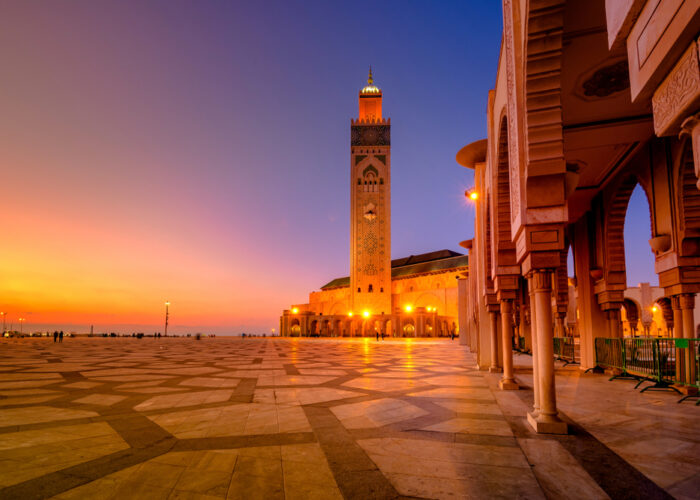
[(614, 227), (632, 309), (688, 203), (489, 245), (544, 144), (666, 311), (504, 246)]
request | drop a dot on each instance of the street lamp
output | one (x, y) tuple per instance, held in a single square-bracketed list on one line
[(472, 194), (167, 304), (21, 322), (409, 309), (3, 322)]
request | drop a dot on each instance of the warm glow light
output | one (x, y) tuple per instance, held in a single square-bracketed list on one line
[(350, 314), (295, 310), (365, 314), (471, 194), (654, 309), (408, 309), (167, 303)]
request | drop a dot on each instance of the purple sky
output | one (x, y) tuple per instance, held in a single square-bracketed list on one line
[(199, 151)]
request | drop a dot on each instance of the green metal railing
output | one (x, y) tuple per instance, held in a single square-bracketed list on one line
[(667, 362), (519, 345), (565, 350)]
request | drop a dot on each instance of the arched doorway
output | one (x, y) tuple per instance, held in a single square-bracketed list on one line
[(295, 328), (630, 318), (408, 328)]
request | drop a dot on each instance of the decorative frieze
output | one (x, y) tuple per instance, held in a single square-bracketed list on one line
[(370, 135), (678, 95)]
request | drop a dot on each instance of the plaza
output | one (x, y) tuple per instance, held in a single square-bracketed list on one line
[(321, 418)]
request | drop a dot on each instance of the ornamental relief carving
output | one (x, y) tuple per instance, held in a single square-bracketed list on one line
[(680, 88), (513, 153)]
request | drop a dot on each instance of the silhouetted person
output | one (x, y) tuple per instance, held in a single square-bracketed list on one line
[(377, 332), (60, 336), (453, 335), (55, 336)]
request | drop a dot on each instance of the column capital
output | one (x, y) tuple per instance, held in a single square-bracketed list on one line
[(539, 280), (675, 302), (686, 300), (506, 305)]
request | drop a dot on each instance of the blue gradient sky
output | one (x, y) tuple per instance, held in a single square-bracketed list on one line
[(199, 151)]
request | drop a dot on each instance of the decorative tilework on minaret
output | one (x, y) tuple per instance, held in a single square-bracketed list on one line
[(370, 205)]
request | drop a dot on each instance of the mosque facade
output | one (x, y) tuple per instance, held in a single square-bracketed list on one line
[(415, 296)]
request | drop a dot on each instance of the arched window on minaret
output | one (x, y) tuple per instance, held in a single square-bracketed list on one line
[(370, 176), (370, 289)]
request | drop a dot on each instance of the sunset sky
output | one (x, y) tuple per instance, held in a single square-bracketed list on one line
[(198, 152)]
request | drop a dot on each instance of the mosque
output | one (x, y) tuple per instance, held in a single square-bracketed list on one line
[(415, 296)]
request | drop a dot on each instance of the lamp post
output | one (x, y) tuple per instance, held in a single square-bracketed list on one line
[(21, 322), (167, 304), (3, 322)]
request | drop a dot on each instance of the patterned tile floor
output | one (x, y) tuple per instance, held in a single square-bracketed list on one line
[(320, 418)]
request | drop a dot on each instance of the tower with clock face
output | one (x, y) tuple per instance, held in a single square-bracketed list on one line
[(370, 206)]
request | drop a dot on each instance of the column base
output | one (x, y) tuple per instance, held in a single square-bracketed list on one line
[(495, 369), (547, 424), (508, 385), (686, 390)]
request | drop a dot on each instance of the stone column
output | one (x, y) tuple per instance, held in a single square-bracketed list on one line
[(677, 316), (533, 340), (507, 383), (517, 326), (493, 316), (687, 303), (525, 325), (691, 128), (547, 419), (614, 322), (561, 330), (462, 298), (420, 324)]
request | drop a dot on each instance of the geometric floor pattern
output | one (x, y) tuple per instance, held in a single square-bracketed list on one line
[(310, 418)]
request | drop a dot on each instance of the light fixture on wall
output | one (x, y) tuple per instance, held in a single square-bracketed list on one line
[(472, 194)]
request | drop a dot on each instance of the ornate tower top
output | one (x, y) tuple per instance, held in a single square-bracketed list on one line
[(370, 101), (370, 88)]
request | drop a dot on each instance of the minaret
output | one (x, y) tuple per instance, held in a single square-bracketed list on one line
[(370, 206)]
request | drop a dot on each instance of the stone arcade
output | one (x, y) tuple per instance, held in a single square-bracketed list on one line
[(591, 99)]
